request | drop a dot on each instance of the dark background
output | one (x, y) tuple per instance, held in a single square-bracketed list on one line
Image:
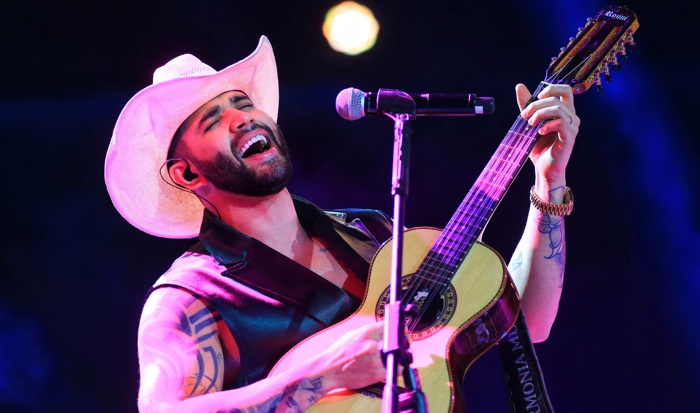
[(74, 273)]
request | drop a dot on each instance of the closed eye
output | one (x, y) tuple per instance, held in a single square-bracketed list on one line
[(245, 105), (211, 125)]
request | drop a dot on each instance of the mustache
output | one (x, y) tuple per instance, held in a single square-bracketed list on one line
[(275, 133), (272, 133), (253, 126)]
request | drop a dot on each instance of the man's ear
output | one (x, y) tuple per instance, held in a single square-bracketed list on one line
[(184, 175)]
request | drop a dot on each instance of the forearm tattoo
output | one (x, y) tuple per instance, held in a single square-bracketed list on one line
[(288, 401), (516, 261), (554, 228)]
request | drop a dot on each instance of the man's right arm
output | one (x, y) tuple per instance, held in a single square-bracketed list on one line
[(182, 366)]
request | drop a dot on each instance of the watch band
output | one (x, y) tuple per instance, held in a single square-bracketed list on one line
[(562, 209)]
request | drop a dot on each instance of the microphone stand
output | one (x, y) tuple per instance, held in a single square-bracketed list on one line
[(400, 107)]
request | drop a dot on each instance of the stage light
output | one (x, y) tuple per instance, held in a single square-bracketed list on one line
[(350, 28)]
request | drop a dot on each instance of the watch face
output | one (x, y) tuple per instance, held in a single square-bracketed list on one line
[(568, 195)]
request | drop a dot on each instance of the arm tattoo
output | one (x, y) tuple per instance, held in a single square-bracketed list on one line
[(287, 400), (206, 356), (516, 261), (165, 339), (555, 229)]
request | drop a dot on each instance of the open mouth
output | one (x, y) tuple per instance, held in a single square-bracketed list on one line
[(254, 146)]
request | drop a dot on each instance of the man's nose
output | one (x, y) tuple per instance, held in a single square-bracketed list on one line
[(238, 119)]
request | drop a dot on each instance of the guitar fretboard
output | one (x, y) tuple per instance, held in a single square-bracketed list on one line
[(463, 229)]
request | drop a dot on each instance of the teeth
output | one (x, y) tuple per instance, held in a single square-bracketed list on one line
[(251, 143)]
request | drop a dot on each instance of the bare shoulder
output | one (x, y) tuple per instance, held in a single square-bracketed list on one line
[(171, 303), (180, 353)]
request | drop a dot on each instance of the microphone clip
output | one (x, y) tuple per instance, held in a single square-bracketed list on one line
[(392, 101)]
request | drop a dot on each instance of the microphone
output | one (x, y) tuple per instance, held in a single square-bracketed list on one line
[(352, 104)]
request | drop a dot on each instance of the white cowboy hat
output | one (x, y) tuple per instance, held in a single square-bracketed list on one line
[(146, 125)]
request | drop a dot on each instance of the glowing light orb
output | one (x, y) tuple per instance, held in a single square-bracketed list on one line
[(350, 28)]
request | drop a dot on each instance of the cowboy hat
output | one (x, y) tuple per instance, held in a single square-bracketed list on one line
[(146, 126)]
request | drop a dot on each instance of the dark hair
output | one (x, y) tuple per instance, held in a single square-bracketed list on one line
[(177, 137)]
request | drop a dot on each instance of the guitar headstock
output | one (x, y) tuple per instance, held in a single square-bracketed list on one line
[(596, 48)]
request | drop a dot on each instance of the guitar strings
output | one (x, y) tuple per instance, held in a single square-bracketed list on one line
[(499, 185), (447, 265)]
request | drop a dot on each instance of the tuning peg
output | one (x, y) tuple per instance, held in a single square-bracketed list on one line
[(606, 71), (623, 52), (630, 43), (616, 66), (599, 83)]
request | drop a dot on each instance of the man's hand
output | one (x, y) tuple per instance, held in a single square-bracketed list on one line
[(555, 106), (355, 360)]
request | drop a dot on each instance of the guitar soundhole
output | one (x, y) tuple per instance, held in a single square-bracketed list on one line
[(434, 309)]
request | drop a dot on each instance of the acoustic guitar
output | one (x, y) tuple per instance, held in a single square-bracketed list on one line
[(465, 299)]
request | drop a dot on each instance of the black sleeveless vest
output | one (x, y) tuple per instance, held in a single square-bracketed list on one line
[(269, 302)]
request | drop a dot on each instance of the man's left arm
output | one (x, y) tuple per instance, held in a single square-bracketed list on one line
[(538, 263)]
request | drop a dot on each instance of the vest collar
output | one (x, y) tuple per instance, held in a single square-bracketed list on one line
[(253, 263)]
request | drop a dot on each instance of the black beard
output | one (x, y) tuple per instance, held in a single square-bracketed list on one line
[(229, 174)]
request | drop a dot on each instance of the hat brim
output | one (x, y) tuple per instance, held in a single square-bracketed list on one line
[(144, 131)]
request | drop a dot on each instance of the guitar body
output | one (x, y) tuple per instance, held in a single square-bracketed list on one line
[(458, 327)]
